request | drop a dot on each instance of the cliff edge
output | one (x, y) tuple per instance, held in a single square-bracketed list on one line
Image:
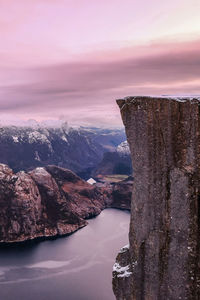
[(163, 258)]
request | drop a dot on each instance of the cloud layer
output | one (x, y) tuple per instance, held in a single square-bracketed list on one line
[(86, 90), (72, 60)]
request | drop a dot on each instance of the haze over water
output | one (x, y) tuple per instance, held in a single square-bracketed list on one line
[(77, 267)]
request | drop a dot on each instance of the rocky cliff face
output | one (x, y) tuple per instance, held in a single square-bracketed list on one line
[(162, 261), (45, 202), (49, 201)]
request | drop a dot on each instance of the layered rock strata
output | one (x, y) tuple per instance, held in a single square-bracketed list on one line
[(163, 259)]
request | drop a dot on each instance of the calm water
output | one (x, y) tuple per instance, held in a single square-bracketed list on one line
[(77, 267)]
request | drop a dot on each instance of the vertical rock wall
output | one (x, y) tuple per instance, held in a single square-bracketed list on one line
[(163, 258)]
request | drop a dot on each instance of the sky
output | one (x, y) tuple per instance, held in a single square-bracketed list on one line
[(71, 59)]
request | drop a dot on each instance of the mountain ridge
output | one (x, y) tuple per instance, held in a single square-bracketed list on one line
[(80, 150)]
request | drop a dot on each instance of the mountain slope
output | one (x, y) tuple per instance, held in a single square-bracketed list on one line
[(80, 150), (52, 201), (116, 162)]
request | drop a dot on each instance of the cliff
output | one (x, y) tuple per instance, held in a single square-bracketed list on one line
[(50, 201), (162, 261), (45, 202)]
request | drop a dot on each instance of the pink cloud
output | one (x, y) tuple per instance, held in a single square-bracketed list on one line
[(89, 87), (75, 57)]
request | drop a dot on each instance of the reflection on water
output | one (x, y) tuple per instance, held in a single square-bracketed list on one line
[(77, 267)]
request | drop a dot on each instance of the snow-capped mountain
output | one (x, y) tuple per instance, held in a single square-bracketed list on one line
[(108, 138), (123, 149), (116, 162), (80, 150)]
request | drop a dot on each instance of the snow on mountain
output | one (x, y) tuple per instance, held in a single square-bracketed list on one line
[(80, 150), (123, 149)]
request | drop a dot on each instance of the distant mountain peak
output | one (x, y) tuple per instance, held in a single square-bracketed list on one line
[(123, 149)]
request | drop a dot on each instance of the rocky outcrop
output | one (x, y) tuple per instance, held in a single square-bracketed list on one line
[(20, 204), (163, 259), (83, 198), (47, 202), (122, 274), (44, 202)]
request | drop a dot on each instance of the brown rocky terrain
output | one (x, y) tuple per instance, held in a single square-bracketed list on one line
[(48, 201), (121, 193), (162, 261)]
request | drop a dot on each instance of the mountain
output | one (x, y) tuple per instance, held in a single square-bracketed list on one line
[(109, 139), (51, 201), (45, 202), (116, 162), (123, 149), (80, 150)]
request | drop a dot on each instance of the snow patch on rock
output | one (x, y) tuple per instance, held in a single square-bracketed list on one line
[(64, 138), (15, 139), (122, 271), (36, 136), (124, 249)]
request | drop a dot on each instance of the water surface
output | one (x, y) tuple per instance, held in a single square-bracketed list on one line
[(77, 267)]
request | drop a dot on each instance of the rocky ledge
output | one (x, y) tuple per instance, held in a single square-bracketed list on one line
[(163, 261), (48, 202)]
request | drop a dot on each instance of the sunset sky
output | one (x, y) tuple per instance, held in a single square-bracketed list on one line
[(70, 59)]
